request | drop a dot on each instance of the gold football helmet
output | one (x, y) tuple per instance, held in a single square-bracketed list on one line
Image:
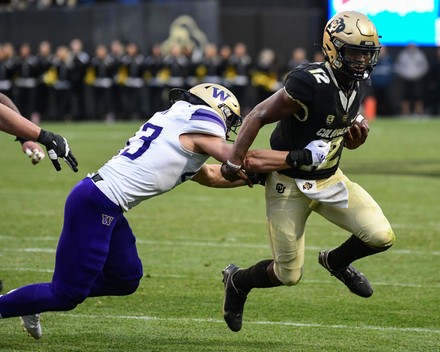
[(351, 44), (221, 99)]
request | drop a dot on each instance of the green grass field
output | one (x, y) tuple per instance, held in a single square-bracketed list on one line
[(186, 237)]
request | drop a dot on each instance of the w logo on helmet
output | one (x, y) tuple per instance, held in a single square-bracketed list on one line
[(220, 94)]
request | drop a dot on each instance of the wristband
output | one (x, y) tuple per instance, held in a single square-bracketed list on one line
[(233, 166), (297, 158), (43, 138), (21, 140), (359, 118)]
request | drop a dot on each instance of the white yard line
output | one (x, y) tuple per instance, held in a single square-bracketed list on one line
[(255, 322)]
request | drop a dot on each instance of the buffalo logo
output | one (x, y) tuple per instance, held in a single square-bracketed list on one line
[(185, 32), (107, 219), (330, 119), (336, 26), (307, 186), (280, 188)]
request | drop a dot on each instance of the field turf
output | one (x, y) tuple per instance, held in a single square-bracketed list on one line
[(186, 237)]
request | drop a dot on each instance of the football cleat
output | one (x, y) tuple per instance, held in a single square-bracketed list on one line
[(356, 281), (234, 300), (31, 324)]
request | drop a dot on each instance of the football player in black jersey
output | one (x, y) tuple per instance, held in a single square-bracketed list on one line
[(319, 101)]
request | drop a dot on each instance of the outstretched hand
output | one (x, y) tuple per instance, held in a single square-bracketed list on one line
[(57, 147)]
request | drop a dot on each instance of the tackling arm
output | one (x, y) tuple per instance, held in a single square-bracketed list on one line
[(209, 175), (30, 148), (13, 123), (276, 107), (57, 147)]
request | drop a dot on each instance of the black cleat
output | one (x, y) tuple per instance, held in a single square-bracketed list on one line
[(350, 277), (233, 303)]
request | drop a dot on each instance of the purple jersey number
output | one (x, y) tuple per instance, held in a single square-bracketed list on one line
[(151, 133)]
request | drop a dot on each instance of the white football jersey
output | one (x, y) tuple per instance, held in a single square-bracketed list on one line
[(153, 160)]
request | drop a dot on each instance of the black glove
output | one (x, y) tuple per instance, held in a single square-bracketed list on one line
[(256, 178), (57, 147), (229, 173)]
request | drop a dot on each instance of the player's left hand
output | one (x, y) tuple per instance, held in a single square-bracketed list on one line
[(34, 151), (357, 134)]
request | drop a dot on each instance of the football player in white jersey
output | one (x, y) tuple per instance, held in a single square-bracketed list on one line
[(319, 100), (96, 254)]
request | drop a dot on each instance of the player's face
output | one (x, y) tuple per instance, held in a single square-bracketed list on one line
[(359, 59)]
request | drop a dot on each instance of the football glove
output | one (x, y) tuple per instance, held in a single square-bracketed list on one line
[(257, 178), (319, 150), (57, 147)]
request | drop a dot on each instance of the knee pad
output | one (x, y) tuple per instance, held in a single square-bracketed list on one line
[(288, 276), (382, 240)]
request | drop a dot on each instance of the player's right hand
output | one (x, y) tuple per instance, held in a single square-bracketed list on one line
[(319, 150), (34, 151), (57, 147)]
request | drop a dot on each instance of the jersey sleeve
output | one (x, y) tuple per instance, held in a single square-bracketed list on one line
[(300, 86), (206, 121)]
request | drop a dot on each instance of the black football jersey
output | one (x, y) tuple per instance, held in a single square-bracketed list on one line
[(327, 113)]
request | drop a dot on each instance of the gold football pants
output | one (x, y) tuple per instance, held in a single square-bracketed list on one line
[(287, 210)]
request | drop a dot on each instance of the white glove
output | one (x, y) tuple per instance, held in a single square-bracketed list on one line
[(319, 150)]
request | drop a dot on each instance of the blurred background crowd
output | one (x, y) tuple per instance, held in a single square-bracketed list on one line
[(125, 80)]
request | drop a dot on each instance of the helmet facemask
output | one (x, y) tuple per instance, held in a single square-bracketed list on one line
[(357, 61), (233, 121)]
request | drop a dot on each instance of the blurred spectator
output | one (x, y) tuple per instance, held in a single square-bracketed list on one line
[(382, 80), (433, 85), (117, 51), (133, 63), (265, 75), (225, 55), (25, 79), (209, 69), (411, 67), (318, 56), (80, 60), (175, 68), (59, 76), (99, 75), (7, 62), (238, 73), (299, 56), (153, 65), (44, 58)]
